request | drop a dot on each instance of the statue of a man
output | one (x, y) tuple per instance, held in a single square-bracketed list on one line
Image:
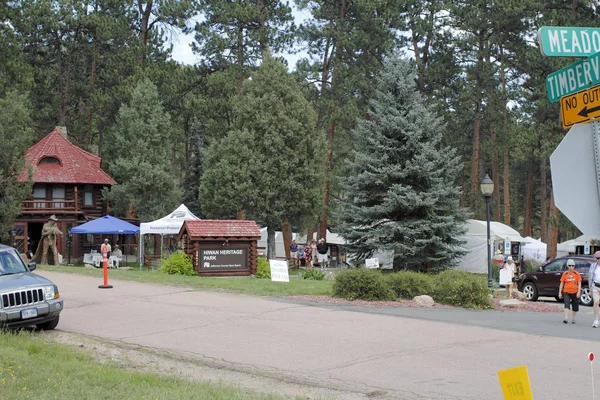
[(49, 233)]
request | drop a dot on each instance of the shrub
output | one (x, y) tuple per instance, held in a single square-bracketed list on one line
[(313, 273), (408, 284), (263, 268), (362, 284), (177, 264), (461, 289)]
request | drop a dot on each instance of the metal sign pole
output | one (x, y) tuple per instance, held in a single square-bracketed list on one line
[(596, 138)]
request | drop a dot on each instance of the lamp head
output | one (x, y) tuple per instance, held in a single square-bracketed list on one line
[(487, 186)]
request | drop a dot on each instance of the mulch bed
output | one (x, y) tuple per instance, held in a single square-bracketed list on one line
[(526, 306)]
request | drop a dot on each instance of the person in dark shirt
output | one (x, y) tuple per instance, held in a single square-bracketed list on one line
[(294, 253), (322, 253)]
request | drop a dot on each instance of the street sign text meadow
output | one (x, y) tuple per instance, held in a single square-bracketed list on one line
[(560, 41)]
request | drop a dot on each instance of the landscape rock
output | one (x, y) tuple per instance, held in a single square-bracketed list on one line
[(424, 300), (126, 268), (511, 303), (519, 295)]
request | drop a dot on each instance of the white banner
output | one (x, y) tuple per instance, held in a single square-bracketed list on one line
[(372, 263)]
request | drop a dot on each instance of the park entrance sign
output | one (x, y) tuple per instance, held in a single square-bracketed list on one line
[(560, 41), (575, 167)]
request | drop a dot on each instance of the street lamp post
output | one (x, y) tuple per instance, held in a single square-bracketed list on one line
[(487, 188)]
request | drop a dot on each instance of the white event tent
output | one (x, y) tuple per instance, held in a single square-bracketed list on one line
[(535, 250), (167, 225), (475, 243), (570, 246)]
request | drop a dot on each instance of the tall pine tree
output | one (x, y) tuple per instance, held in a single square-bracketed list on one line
[(139, 157), (265, 165), (400, 192)]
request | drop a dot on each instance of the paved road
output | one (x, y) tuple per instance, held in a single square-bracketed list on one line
[(398, 353)]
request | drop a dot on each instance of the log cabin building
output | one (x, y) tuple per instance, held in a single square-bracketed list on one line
[(68, 183)]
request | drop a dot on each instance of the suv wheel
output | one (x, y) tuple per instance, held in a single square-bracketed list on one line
[(530, 291), (586, 296), (49, 325)]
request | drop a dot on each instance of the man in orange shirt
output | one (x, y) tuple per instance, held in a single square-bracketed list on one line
[(570, 282)]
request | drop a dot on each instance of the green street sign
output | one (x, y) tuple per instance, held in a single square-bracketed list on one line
[(560, 41), (574, 78)]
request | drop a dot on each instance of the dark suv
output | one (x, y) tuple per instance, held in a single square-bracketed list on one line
[(26, 298), (546, 281)]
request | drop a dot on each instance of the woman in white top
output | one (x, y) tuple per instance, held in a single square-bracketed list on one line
[(506, 275)]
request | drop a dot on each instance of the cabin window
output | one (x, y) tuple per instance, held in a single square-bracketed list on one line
[(88, 198), (39, 196), (49, 161), (58, 196)]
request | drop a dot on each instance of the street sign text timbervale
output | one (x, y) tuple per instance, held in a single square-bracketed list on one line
[(561, 41), (581, 106), (574, 78)]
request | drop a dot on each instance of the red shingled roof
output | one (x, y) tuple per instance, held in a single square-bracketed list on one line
[(221, 228), (76, 164)]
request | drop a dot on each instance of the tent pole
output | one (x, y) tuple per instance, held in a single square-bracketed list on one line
[(141, 251)]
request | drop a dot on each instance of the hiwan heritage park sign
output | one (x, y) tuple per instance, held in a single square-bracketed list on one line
[(221, 247), (576, 161)]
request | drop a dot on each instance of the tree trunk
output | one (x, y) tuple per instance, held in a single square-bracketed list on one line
[(506, 187), (552, 228), (262, 32), (528, 202), (496, 178), (543, 205), (144, 25), (331, 128), (271, 255), (286, 232)]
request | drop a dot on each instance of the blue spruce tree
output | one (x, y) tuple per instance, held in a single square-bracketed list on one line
[(400, 193)]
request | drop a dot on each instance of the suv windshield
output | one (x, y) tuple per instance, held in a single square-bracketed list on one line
[(11, 263)]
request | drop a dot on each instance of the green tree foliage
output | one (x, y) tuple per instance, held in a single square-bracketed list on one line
[(139, 157), (237, 34), (265, 165), (16, 135), (401, 192)]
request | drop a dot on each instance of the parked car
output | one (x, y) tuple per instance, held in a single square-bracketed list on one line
[(26, 298), (546, 281)]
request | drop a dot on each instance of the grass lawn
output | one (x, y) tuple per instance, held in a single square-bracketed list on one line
[(31, 367), (245, 285)]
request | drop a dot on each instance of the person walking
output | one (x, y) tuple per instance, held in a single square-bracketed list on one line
[(506, 275), (570, 289), (322, 253), (594, 285), (294, 253)]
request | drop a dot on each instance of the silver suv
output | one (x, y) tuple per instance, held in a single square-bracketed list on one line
[(26, 298)]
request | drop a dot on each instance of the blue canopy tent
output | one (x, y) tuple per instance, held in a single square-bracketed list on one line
[(107, 225)]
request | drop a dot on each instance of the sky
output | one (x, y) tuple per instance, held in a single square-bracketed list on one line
[(182, 51)]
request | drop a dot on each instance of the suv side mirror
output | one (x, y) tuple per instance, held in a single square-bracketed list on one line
[(541, 268), (32, 266)]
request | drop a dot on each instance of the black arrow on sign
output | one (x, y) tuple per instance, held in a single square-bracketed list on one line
[(585, 111)]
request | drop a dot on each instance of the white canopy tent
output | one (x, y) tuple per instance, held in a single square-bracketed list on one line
[(167, 225), (535, 250), (332, 238), (475, 243), (569, 246)]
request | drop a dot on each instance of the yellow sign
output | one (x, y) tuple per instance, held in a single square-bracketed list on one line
[(515, 383), (580, 107)]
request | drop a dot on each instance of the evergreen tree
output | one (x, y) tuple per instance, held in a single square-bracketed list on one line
[(265, 165), (139, 157), (400, 192), (16, 135)]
